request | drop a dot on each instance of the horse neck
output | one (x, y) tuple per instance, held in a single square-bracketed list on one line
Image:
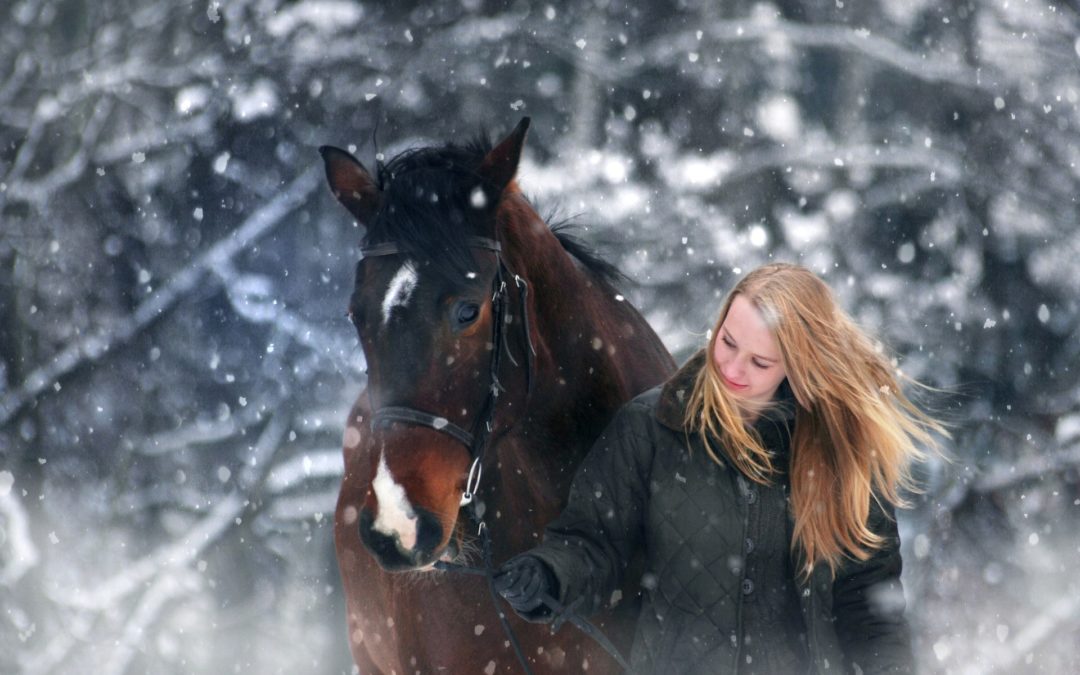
[(593, 352), (576, 386)]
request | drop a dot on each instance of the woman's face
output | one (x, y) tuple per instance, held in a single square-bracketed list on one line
[(746, 354)]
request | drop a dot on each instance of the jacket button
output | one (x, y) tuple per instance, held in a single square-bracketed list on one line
[(751, 497), (749, 545), (747, 587)]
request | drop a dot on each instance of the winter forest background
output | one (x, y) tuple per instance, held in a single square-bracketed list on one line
[(175, 361)]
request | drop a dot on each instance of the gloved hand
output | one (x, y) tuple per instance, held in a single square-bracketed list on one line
[(523, 581)]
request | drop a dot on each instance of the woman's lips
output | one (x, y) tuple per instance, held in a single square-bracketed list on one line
[(734, 385)]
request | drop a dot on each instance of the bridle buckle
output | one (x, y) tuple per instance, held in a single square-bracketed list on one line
[(472, 483)]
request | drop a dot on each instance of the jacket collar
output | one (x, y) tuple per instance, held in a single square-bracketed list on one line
[(671, 408), (675, 393)]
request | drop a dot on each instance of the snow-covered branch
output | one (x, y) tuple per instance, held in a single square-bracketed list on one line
[(297, 507), (252, 297), (21, 555), (45, 187), (176, 554), (262, 453), (93, 347), (203, 432), (163, 590), (1030, 468), (1057, 619), (292, 473), (938, 165), (114, 150), (856, 41)]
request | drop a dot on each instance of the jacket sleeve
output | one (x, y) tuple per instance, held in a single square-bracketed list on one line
[(868, 604), (589, 545)]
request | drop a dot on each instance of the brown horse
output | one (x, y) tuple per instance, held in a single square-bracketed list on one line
[(497, 351)]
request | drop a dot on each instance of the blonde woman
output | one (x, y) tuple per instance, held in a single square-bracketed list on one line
[(760, 482)]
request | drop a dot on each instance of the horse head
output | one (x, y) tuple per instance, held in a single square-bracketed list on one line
[(432, 304)]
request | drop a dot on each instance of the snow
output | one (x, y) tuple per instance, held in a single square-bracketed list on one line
[(1067, 429), (700, 173), (176, 369), (255, 101), (780, 118), (324, 16), (804, 230), (192, 99)]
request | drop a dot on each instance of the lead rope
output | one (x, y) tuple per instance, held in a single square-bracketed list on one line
[(560, 613), (489, 575)]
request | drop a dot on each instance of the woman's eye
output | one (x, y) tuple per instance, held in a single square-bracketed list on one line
[(759, 364), (728, 342), (467, 313)]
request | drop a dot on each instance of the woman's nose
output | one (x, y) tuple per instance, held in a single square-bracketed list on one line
[(733, 371)]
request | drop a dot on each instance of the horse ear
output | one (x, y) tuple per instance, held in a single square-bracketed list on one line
[(352, 184), (500, 165)]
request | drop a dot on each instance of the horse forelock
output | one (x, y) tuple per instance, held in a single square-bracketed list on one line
[(431, 206)]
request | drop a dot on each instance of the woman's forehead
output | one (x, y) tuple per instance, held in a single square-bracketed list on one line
[(747, 326)]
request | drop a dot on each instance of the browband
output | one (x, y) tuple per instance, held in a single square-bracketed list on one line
[(390, 248)]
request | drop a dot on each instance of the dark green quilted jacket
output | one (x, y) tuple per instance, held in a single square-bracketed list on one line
[(647, 486)]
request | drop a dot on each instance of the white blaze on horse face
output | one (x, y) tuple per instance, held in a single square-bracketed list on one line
[(396, 515), (400, 290)]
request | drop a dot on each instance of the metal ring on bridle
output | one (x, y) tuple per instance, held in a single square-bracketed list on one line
[(472, 483)]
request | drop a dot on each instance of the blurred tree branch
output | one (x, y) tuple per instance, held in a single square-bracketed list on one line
[(109, 338)]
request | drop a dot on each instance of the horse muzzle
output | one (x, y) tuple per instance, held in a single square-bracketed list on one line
[(409, 547)]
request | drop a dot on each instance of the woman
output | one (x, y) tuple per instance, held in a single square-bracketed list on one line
[(761, 482)]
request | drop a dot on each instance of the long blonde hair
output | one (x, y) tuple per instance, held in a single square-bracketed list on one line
[(856, 434)]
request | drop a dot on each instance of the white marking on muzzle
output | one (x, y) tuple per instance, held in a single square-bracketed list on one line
[(396, 515), (400, 290)]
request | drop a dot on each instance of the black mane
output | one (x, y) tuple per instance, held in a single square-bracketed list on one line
[(428, 210), (588, 256)]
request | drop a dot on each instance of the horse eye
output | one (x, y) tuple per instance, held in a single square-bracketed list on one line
[(467, 312)]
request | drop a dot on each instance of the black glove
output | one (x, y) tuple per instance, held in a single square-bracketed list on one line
[(524, 580)]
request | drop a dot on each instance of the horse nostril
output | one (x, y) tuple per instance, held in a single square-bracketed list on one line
[(429, 532), (388, 550)]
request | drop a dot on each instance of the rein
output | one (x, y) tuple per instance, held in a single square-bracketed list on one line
[(476, 442), (561, 614)]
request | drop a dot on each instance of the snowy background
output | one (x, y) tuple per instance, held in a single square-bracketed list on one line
[(175, 362)]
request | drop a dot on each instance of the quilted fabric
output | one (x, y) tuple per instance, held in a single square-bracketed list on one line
[(648, 485)]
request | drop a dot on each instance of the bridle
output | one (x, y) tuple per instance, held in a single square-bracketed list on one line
[(476, 439)]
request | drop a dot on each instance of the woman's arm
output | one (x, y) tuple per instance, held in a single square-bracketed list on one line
[(868, 604), (588, 546)]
